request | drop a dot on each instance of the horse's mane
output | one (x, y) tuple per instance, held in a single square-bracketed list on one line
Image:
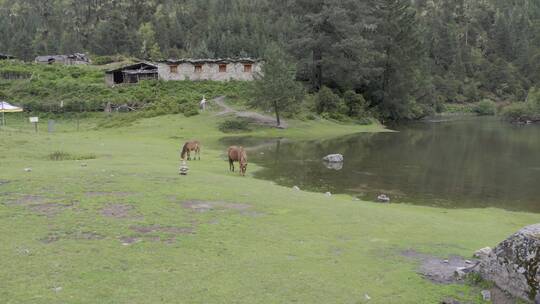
[(243, 155)]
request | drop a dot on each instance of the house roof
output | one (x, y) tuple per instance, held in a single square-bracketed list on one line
[(210, 60), (76, 56), (138, 68), (6, 56)]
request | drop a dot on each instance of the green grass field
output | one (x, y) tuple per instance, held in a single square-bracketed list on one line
[(126, 228)]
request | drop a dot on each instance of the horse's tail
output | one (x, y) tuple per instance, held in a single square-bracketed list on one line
[(184, 151)]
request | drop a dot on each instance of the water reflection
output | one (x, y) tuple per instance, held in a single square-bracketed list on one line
[(463, 163)]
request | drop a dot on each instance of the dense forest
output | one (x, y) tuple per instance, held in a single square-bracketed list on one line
[(407, 58)]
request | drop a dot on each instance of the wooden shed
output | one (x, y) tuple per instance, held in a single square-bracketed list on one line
[(132, 74)]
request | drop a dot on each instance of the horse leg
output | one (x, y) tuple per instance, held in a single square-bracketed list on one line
[(189, 155), (231, 165)]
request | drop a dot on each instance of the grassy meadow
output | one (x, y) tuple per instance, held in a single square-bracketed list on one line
[(104, 217)]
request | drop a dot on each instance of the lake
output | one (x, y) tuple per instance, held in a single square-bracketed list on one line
[(463, 162)]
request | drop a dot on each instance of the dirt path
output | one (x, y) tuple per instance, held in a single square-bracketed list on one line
[(254, 116)]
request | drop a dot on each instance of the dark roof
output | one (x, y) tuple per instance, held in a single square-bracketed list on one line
[(211, 60), (138, 68), (6, 56), (76, 56)]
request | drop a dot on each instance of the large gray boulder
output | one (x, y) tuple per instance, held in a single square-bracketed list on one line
[(514, 265)]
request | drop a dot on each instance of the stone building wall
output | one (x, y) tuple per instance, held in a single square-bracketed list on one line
[(208, 71)]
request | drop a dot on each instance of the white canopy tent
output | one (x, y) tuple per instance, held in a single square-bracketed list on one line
[(7, 108)]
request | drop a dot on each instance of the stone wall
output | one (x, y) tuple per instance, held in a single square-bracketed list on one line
[(209, 71)]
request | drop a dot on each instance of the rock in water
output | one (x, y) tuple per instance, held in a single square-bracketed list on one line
[(334, 166), (514, 265), (334, 158)]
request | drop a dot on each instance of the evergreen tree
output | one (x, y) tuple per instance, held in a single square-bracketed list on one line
[(277, 89), (400, 52)]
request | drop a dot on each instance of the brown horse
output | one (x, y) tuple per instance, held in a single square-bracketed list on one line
[(237, 154), (189, 147)]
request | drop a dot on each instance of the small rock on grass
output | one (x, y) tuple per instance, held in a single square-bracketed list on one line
[(27, 169), (296, 188), (328, 194), (367, 297)]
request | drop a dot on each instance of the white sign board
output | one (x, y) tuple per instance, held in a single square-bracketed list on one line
[(34, 119)]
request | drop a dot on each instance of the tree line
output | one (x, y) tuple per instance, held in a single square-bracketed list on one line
[(406, 58)]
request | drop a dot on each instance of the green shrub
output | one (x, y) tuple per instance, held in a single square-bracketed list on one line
[(515, 111), (311, 116), (189, 109), (61, 155), (234, 125), (328, 101), (522, 111), (485, 107)]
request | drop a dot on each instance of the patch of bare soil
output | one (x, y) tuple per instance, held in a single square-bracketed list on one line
[(146, 233), (49, 209), (77, 235), (438, 270), (115, 194), (204, 206), (127, 240), (119, 211), (158, 228), (26, 199)]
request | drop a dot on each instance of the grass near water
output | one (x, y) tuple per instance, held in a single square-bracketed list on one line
[(124, 227)]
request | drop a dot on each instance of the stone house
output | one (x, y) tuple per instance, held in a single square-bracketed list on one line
[(72, 59), (243, 69), (132, 74)]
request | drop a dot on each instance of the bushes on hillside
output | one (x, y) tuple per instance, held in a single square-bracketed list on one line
[(485, 107), (331, 106), (83, 88), (524, 111)]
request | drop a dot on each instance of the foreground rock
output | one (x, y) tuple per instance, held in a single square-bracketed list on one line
[(334, 165), (334, 158), (514, 265)]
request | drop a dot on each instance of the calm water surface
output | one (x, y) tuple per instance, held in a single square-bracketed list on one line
[(463, 163)]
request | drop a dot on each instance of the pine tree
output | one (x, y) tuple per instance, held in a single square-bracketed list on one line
[(277, 89)]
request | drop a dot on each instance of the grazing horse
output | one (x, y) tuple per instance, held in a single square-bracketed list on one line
[(191, 146), (237, 154)]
